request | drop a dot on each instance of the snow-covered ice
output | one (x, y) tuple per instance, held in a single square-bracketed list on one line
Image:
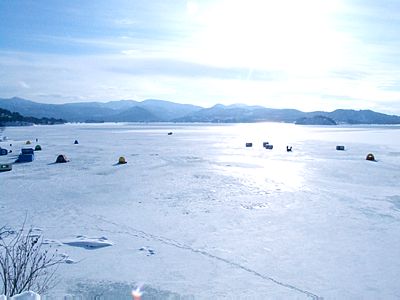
[(223, 220), (28, 295)]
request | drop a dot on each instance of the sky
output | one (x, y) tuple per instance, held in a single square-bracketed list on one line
[(309, 54)]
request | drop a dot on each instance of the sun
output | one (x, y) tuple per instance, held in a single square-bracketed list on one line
[(287, 34)]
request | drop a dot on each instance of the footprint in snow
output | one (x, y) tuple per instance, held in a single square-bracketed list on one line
[(147, 250)]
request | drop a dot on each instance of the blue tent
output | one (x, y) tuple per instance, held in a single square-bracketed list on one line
[(25, 158), (3, 151), (27, 151)]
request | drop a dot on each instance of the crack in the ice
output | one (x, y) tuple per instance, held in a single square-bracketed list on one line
[(170, 242)]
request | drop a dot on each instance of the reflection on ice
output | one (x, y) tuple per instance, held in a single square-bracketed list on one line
[(267, 175)]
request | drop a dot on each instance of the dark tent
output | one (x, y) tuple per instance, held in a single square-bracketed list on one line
[(61, 159), (3, 151), (5, 167), (370, 156), (38, 148), (122, 160), (76, 142)]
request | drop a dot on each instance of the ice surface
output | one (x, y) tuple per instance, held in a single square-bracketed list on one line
[(223, 220)]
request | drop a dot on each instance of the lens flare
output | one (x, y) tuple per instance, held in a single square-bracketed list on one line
[(137, 294)]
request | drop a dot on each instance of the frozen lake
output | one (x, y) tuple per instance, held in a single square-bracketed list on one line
[(198, 215)]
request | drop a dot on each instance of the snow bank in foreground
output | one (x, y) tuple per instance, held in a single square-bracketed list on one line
[(23, 296), (89, 243)]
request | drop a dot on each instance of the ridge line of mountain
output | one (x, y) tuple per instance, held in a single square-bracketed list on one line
[(152, 110)]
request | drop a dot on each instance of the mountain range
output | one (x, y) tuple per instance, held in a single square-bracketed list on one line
[(14, 118), (165, 111)]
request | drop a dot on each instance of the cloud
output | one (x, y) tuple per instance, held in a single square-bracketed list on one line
[(125, 22), (349, 74), (179, 68), (69, 78), (24, 84)]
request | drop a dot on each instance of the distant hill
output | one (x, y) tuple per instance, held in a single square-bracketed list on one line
[(362, 117), (316, 120), (165, 111), (13, 118), (114, 111), (240, 113), (134, 114), (225, 114)]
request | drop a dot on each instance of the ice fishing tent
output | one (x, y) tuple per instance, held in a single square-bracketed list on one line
[(28, 142), (266, 145), (38, 148), (3, 151), (5, 167), (25, 158), (169, 133), (27, 151), (76, 142), (370, 156), (249, 144), (340, 148), (27, 155), (122, 160), (61, 159)]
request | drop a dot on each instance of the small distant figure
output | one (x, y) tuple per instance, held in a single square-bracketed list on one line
[(289, 149), (37, 140), (170, 133), (76, 142), (10, 145)]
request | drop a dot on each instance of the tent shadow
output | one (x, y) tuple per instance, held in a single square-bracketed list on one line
[(20, 162)]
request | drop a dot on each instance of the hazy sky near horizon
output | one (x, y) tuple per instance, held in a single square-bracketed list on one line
[(309, 54)]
